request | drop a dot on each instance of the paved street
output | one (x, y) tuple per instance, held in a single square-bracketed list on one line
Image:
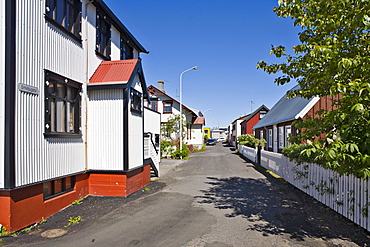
[(217, 199)]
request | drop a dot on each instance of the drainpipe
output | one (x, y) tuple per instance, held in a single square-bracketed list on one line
[(86, 41)]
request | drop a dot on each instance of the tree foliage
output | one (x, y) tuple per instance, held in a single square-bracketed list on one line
[(171, 129), (333, 60)]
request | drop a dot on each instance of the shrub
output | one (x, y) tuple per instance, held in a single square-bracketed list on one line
[(166, 147), (250, 141), (184, 153)]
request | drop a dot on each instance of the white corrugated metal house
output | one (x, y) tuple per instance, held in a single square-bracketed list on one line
[(72, 117), (168, 106)]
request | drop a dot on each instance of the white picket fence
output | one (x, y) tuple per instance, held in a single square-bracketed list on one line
[(348, 195)]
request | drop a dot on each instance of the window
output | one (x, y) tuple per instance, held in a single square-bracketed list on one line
[(59, 186), (281, 137), (62, 105), (288, 130), (262, 114), (135, 101), (270, 138), (261, 134), (167, 106), (65, 14), (127, 52), (153, 104), (102, 35)]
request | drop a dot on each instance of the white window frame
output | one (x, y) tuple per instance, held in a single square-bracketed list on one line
[(270, 138), (288, 130), (281, 136)]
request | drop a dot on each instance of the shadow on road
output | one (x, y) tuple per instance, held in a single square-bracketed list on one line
[(274, 207)]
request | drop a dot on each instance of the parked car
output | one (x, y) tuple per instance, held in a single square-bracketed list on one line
[(221, 139), (211, 142)]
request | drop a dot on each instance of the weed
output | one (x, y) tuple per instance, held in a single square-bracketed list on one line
[(73, 220), (147, 189), (42, 221), (1, 242), (77, 202)]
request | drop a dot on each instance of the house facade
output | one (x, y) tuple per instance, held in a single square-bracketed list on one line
[(235, 130), (247, 124), (276, 126), (168, 107), (71, 123)]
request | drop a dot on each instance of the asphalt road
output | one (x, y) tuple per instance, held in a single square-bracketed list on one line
[(217, 199)]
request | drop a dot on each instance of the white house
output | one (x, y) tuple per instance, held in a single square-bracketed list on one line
[(235, 130), (168, 106), (72, 120)]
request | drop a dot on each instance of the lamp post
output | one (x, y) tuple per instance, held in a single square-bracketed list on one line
[(193, 68)]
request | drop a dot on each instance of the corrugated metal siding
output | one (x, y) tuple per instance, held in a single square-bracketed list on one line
[(136, 135), (2, 95), (41, 46), (105, 130)]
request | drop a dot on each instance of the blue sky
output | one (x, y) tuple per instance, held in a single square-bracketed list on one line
[(224, 38)]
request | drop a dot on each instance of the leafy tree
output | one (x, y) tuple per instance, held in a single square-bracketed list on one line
[(171, 129), (331, 60)]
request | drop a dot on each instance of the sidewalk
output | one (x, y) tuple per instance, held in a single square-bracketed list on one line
[(167, 165)]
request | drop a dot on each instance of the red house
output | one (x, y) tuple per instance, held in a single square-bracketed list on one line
[(252, 119)]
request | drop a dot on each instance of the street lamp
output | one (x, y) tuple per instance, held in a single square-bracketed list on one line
[(193, 68)]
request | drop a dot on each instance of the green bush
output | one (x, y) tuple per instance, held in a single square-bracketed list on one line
[(166, 146), (184, 153), (250, 141)]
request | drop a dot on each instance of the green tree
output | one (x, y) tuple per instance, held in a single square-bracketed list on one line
[(171, 129), (333, 60)]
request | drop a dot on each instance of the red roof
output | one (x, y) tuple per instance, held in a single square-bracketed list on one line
[(199, 120), (114, 71)]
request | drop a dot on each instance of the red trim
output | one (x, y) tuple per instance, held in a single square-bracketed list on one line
[(26, 206)]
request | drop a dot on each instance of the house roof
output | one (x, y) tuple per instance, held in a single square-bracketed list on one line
[(254, 113), (114, 71), (240, 118), (151, 87), (287, 109), (199, 120), (117, 74)]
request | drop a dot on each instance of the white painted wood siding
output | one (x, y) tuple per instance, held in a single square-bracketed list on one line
[(2, 87), (105, 130), (348, 195)]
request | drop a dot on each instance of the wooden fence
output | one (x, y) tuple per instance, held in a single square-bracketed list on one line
[(348, 195)]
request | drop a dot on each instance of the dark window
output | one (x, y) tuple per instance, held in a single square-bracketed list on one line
[(167, 106), (59, 186), (62, 105), (65, 14), (135, 101), (103, 44), (127, 52)]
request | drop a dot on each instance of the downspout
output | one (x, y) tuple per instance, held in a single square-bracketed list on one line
[(86, 79)]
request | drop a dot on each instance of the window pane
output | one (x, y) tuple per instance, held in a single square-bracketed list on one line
[(71, 93), (51, 87), (48, 188), (58, 186), (71, 117), (52, 115), (61, 91), (60, 121), (68, 183), (60, 12)]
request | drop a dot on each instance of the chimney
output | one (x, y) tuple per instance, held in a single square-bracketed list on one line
[(161, 86)]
